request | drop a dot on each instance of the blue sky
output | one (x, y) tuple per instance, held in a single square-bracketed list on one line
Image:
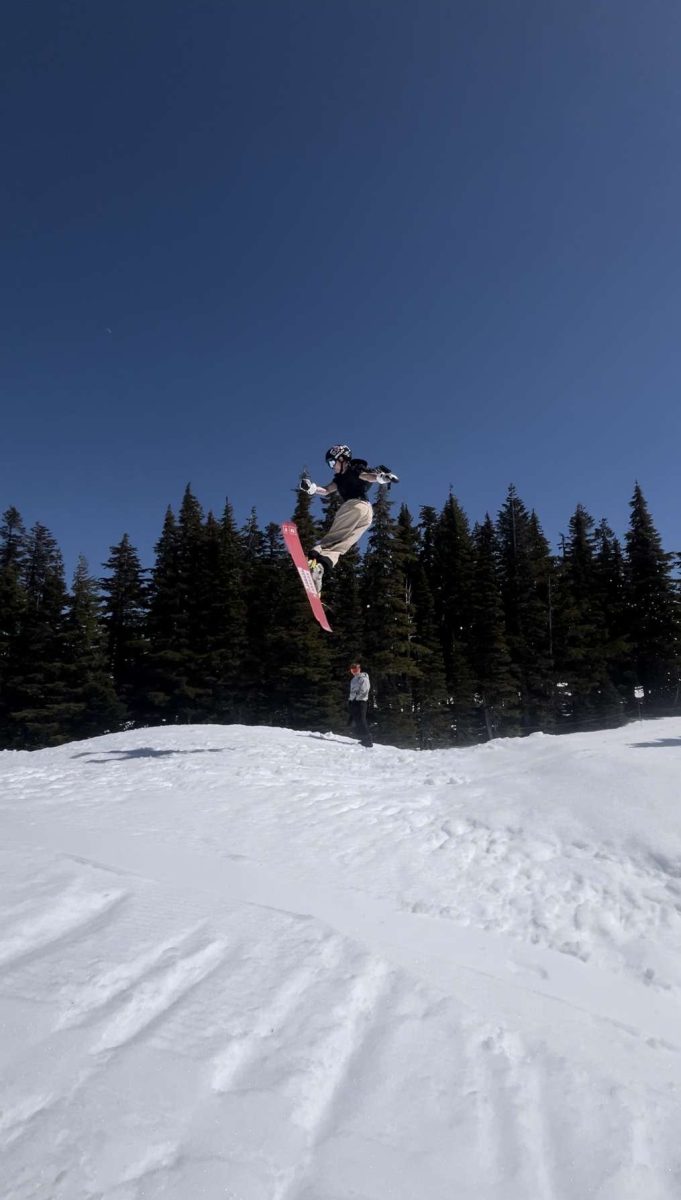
[(237, 231)]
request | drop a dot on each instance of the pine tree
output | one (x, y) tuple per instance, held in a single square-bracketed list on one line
[(198, 577), (164, 690), (496, 680), (541, 675), (182, 600), (580, 633), (35, 684), (12, 606), (256, 579), (12, 541), (429, 695), (406, 551), (611, 588), (387, 626), (435, 716), (197, 626), (428, 522), (653, 628), (526, 574), (224, 618), (90, 706), (453, 593), (124, 613)]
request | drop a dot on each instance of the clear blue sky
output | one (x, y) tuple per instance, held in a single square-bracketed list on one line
[(236, 231)]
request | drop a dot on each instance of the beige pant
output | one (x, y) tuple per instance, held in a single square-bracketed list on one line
[(351, 521)]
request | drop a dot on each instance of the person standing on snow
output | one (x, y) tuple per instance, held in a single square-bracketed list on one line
[(360, 686), (351, 480)]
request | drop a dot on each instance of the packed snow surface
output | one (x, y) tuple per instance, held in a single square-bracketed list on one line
[(253, 964)]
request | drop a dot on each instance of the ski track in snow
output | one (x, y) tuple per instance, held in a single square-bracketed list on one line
[(264, 965)]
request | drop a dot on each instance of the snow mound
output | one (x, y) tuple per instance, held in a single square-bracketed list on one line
[(268, 965)]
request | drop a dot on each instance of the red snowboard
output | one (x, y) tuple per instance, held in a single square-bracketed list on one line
[(292, 540)]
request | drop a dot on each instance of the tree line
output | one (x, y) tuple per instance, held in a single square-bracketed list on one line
[(468, 632)]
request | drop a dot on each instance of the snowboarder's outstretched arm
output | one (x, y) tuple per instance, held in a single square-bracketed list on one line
[(316, 489), (378, 475)]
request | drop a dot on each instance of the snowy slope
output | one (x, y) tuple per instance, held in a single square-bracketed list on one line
[(251, 964)]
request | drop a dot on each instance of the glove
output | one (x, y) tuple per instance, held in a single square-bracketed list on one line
[(386, 474), (306, 485)]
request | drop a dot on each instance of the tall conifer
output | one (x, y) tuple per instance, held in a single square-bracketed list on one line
[(526, 587), (124, 611), (35, 680), (496, 680), (224, 618), (164, 689), (430, 700), (580, 634), (12, 606), (653, 631), (611, 585), (256, 586), (453, 590), (428, 520), (387, 623), (90, 706)]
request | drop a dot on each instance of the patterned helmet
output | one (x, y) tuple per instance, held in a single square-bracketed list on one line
[(338, 454)]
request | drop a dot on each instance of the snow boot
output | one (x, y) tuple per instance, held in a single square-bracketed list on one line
[(318, 563), (317, 573)]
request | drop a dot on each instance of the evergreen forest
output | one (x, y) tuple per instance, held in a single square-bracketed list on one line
[(468, 632)]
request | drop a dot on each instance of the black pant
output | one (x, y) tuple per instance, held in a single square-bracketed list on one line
[(358, 720)]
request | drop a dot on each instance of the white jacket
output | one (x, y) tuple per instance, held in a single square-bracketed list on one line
[(360, 686)]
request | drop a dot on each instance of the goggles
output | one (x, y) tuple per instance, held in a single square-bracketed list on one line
[(331, 462)]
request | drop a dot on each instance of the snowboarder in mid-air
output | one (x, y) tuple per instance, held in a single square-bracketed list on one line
[(351, 480)]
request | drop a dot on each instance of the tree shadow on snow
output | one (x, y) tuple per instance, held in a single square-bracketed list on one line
[(146, 752), (654, 745)]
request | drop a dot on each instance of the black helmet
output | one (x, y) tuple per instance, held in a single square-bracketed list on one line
[(338, 454)]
